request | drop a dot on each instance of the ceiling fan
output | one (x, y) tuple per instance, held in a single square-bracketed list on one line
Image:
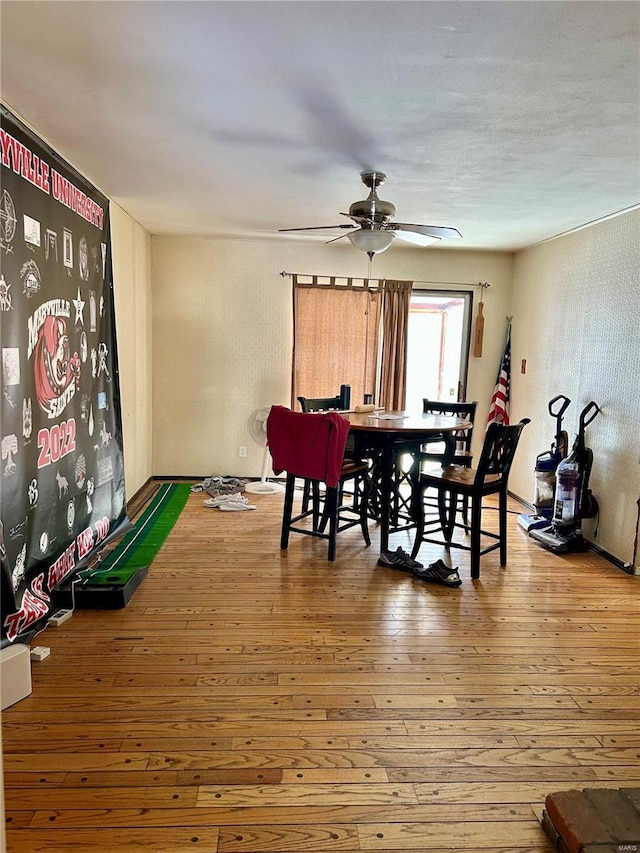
[(374, 229)]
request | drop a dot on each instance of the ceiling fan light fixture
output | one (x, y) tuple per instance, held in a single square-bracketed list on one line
[(375, 227), (371, 240)]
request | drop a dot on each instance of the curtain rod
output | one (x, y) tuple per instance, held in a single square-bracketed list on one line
[(482, 284)]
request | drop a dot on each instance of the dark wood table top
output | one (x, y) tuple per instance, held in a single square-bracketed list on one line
[(404, 424)]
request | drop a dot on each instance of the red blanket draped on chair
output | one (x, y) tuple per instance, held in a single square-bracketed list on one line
[(308, 445)]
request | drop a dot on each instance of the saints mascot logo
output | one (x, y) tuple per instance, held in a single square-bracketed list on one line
[(56, 371)]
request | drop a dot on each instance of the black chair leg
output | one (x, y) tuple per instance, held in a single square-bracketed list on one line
[(316, 518), (447, 507), (321, 523), (465, 510), (331, 510), (363, 507), (287, 511), (306, 496), (476, 518), (442, 511), (502, 529)]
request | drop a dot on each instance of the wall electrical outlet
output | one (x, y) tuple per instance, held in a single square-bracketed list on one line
[(242, 452)]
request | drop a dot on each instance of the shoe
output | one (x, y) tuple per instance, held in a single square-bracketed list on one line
[(439, 572), (398, 559)]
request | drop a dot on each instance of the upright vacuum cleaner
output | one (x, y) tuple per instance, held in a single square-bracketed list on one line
[(545, 470), (573, 498)]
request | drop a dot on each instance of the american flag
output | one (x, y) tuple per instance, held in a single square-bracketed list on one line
[(499, 410)]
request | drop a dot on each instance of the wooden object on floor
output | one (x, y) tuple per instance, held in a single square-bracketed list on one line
[(600, 817)]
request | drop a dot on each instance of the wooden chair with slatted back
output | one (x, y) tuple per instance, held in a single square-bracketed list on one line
[(490, 477), (430, 455), (319, 404), (467, 411), (323, 404), (303, 458)]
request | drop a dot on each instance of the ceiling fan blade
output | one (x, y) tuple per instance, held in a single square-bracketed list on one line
[(427, 230), (414, 238), (318, 228)]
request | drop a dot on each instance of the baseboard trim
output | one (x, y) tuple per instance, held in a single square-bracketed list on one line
[(139, 491), (616, 561), (524, 503), (626, 567)]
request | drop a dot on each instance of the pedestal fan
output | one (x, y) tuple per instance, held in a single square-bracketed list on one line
[(258, 431)]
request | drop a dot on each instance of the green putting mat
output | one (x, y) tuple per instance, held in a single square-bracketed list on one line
[(124, 568), (140, 545)]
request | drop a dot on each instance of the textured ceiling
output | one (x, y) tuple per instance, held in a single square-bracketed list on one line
[(511, 121)]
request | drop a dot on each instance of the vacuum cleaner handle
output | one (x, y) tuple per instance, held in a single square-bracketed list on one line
[(588, 414), (562, 439), (562, 408)]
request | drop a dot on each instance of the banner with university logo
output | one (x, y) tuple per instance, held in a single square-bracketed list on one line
[(62, 472)]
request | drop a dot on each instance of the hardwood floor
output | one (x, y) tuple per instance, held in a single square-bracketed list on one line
[(248, 700)]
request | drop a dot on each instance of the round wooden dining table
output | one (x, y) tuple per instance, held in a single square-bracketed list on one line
[(385, 437)]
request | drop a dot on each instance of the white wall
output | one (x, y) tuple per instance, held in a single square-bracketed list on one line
[(131, 249), (576, 306), (222, 335)]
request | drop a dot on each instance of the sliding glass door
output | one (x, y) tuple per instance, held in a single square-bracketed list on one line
[(439, 333)]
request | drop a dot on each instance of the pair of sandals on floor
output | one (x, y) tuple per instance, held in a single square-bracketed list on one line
[(437, 572)]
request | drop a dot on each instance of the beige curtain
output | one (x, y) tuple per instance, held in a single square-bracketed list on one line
[(335, 339), (395, 319)]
